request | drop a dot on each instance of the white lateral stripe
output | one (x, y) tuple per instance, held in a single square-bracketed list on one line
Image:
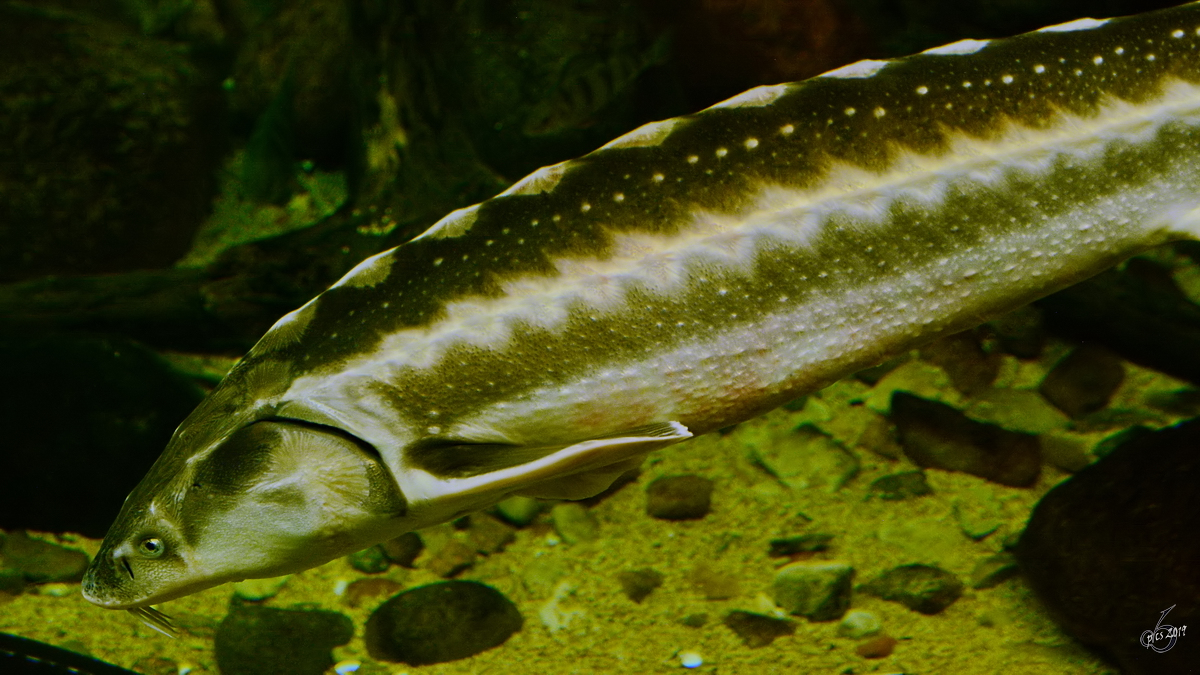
[(784, 215)]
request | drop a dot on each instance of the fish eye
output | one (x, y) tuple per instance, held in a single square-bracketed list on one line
[(151, 547)]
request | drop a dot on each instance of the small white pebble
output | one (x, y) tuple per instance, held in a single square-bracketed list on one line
[(340, 586), (347, 667), (690, 660)]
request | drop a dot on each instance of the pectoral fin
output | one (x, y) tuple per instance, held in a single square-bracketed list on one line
[(576, 471)]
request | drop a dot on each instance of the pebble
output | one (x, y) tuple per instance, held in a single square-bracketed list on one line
[(806, 458), (1112, 547), (804, 543), (819, 590), (454, 557), (900, 486), (441, 622), (361, 591), (923, 588), (1083, 381), (877, 647), (858, 624), (489, 535), (639, 584), (690, 659), (994, 570), (686, 497), (758, 630), (369, 560), (936, 435), (403, 550), (254, 640), (519, 511), (574, 523)]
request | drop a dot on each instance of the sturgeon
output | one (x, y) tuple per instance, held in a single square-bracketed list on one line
[(687, 276)]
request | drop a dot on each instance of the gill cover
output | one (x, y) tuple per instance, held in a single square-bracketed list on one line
[(274, 497)]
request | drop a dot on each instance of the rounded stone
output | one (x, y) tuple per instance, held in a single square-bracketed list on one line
[(441, 622), (679, 497), (817, 590)]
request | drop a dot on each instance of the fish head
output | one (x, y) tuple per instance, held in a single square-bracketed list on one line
[(273, 496)]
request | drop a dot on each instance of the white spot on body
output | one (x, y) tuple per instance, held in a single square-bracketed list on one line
[(787, 129), (1007, 79), (850, 112), (1098, 59), (880, 112), (1039, 69), (751, 143), (922, 90), (692, 159), (1176, 33), (721, 152)]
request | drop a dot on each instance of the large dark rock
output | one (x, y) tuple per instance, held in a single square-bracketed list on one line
[(111, 141), (83, 420), (441, 622), (1112, 547), (254, 640)]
